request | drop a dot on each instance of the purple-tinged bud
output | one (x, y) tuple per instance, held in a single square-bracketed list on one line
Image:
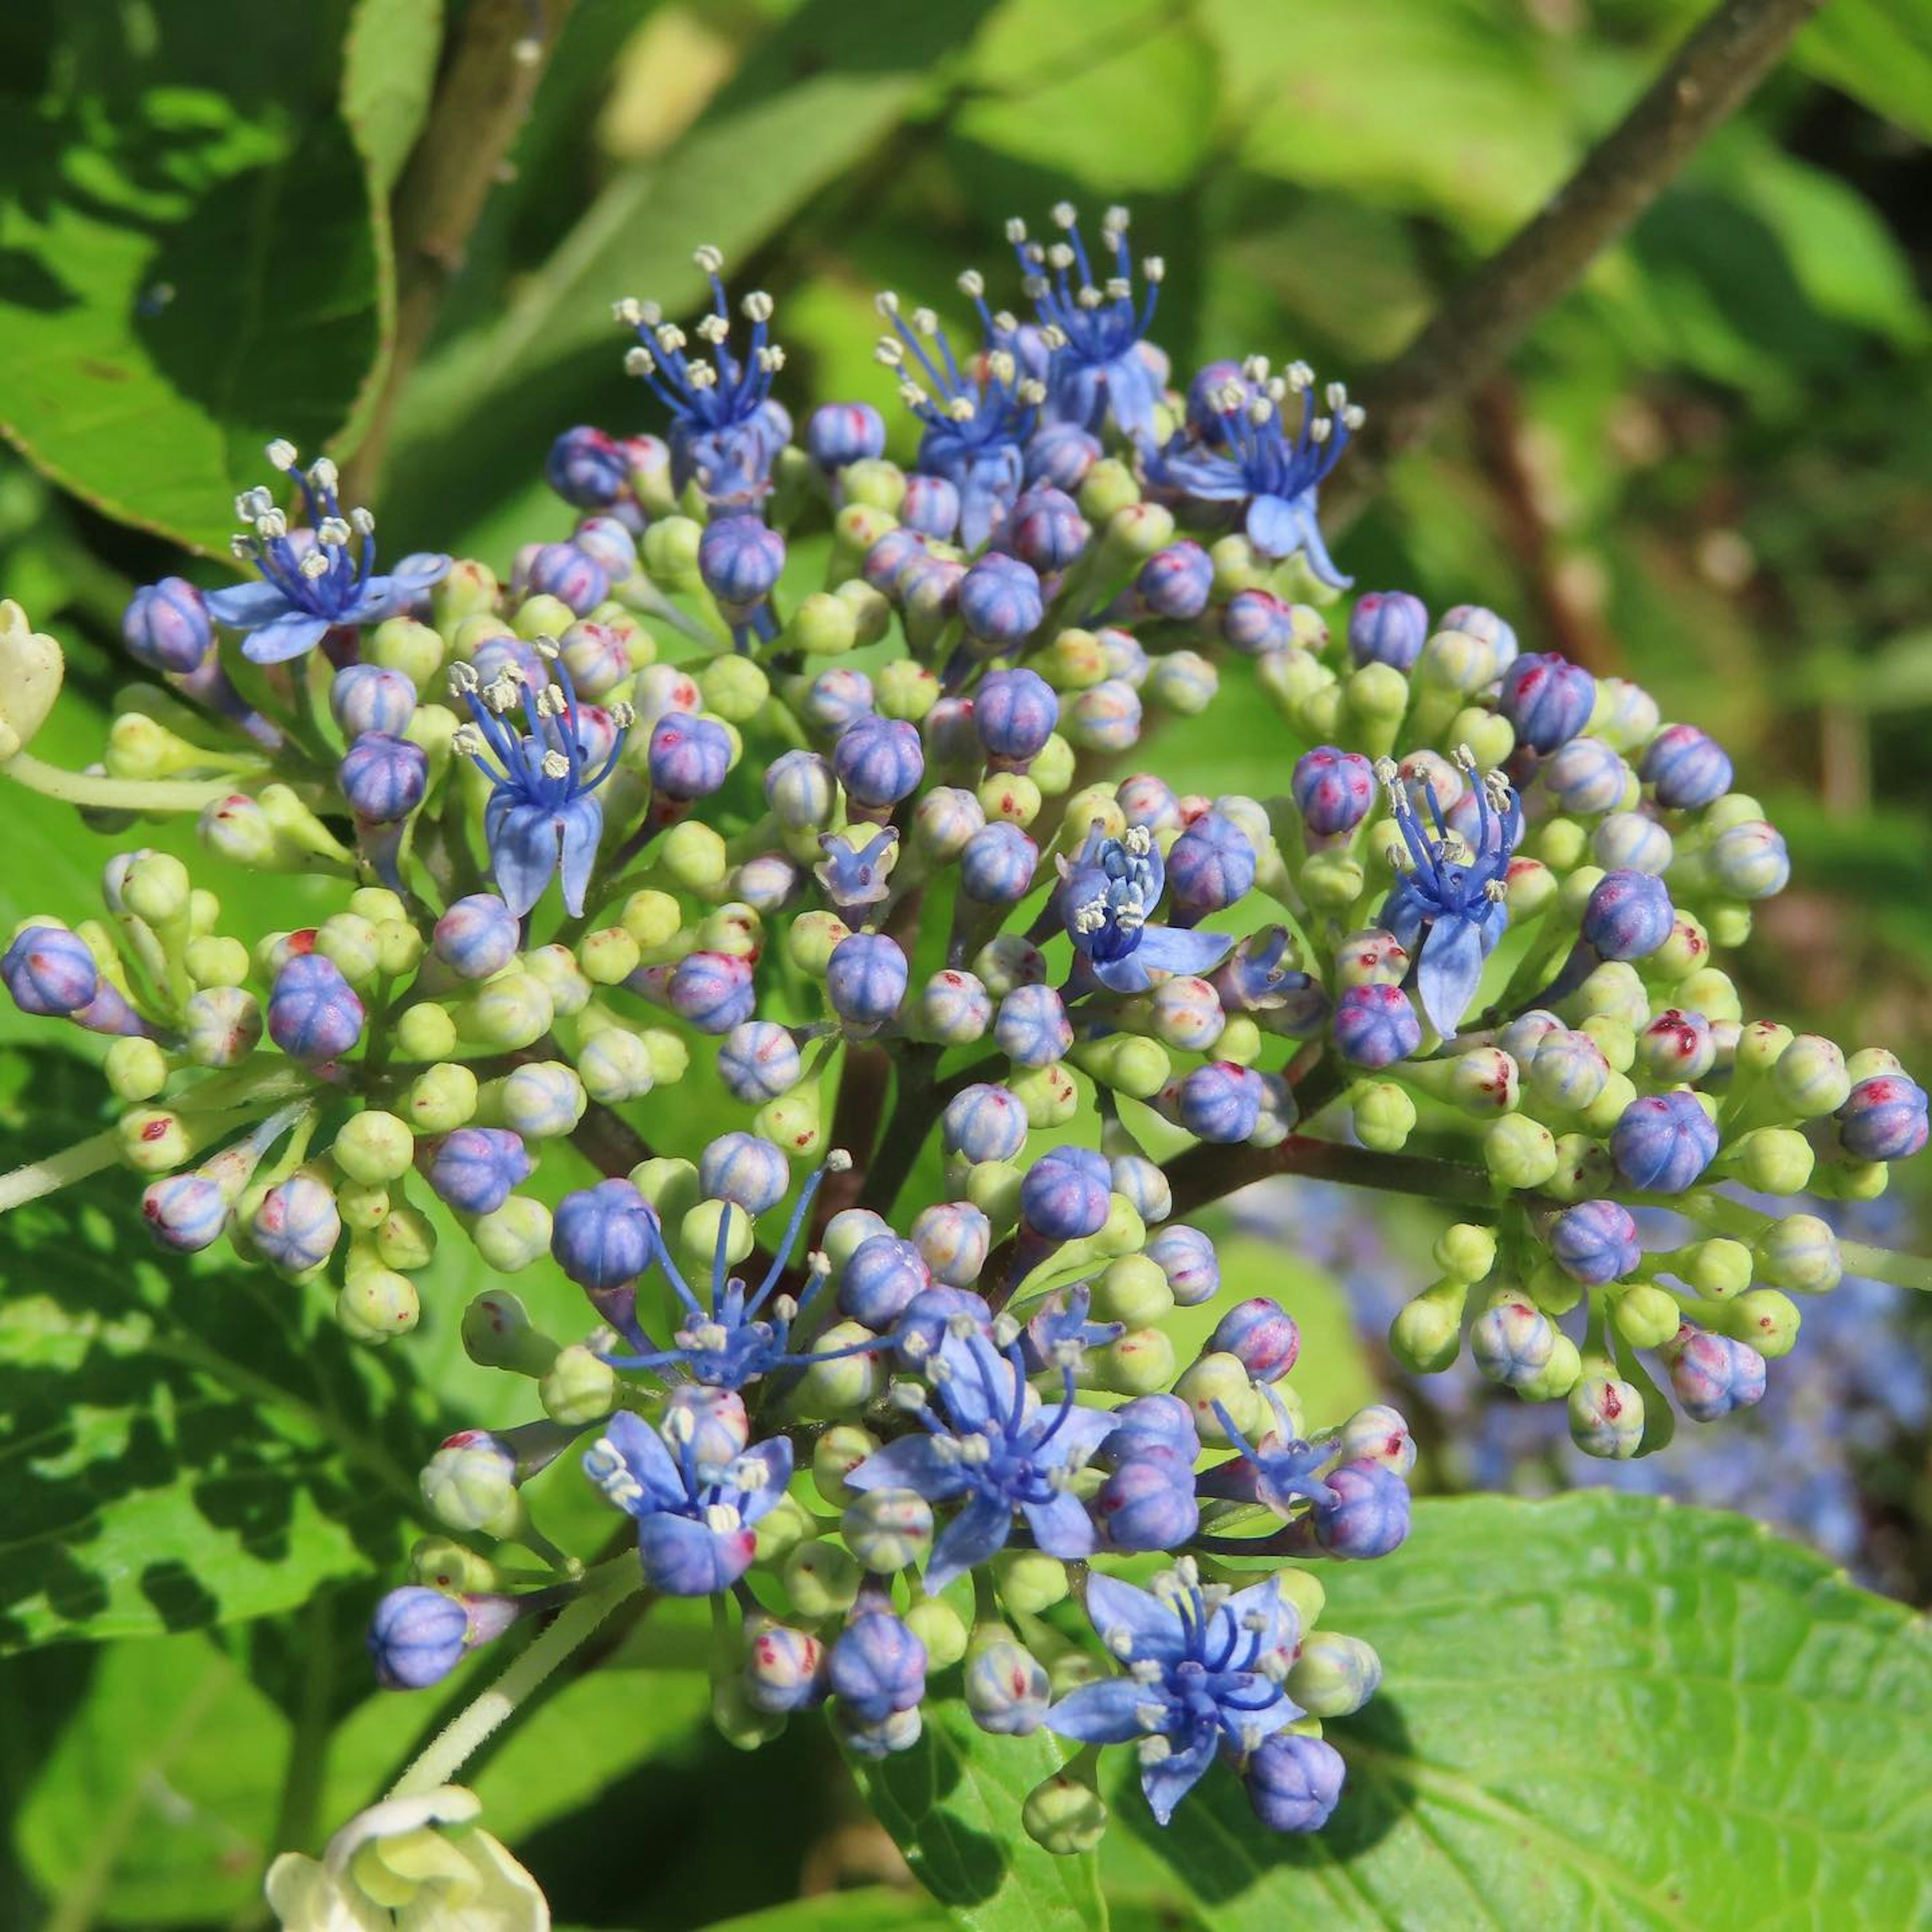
[(1629, 916), (1883, 1118), (1512, 1342), (866, 978), (383, 777), (998, 864), (1749, 861), (1148, 1503), (1151, 1425), (1220, 1103), (1000, 601), (417, 1637), (719, 1426), (1121, 652), (1257, 622), (1065, 1193), (477, 937), (1014, 713), (1368, 1515), (313, 1013), (1474, 621), (801, 789), (1662, 1142), (1186, 1257), (1046, 530), (185, 1212), (878, 1284), (1586, 778), (784, 1668), (1685, 768), (1007, 1688), (757, 1061), (1712, 1375), (931, 506), (1632, 841), (1061, 455), (879, 761), (745, 1169), (1294, 1783), (1261, 1335), (952, 1238), (952, 736), (166, 626), (1176, 583), (608, 541), (837, 433), (1210, 866), (570, 575), (474, 1169), (1106, 717), (1547, 699), (984, 1122), (1032, 1029), (1595, 1242), (715, 991), (890, 557), (877, 1666), (930, 1316), (371, 697), (1677, 1046), (1388, 627), (689, 756), (587, 468), (955, 1008), (740, 560), (1143, 1183), (50, 972), (1333, 790), (296, 1225), (1375, 1026)]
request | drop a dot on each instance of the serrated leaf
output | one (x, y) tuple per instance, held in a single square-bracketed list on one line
[(952, 1804), (188, 257), (388, 73), (1600, 1711)]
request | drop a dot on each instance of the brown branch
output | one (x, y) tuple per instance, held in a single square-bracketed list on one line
[(1207, 1174), (1482, 320), (482, 99)]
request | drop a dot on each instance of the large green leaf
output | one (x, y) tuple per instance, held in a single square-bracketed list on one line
[(389, 70), (953, 1803), (188, 261), (1597, 1711), (874, 1909)]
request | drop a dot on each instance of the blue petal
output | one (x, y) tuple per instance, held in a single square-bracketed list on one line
[(1167, 1781), (420, 569), (1172, 949), (1199, 472), (1062, 1528), (1132, 394), (1274, 528), (1265, 1599), (1314, 549), (582, 821), (977, 1533), (1122, 976), (683, 1558), (1238, 1692), (1447, 973), (283, 637), (523, 843), (1078, 1435), (978, 1382), (1401, 916), (242, 606), (912, 1463), (642, 1451), (1153, 1628), (1101, 1714), (776, 1455)]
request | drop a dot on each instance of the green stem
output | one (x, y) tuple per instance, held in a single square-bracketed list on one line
[(453, 1746), (59, 1170), (117, 794)]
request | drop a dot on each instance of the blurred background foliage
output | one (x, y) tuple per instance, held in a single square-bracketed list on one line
[(1709, 469)]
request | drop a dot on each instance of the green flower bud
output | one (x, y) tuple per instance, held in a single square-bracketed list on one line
[(470, 1484), (513, 1010), (1030, 1581), (836, 1455), (1800, 1252), (1376, 697), (1136, 1067), (1558, 1375), (440, 1563), (441, 1098), (875, 482), (1132, 1289), (363, 1206), (402, 644), (497, 1334), (905, 690), (608, 956), (829, 1389), (407, 1240), (509, 1238), (1574, 893), (156, 887), (1049, 1094), (1074, 661), (1772, 1160), (795, 1121), (1220, 1379), (941, 1629), (136, 1068), (993, 1186), (542, 616), (1602, 1113), (1645, 1316), (693, 855), (1532, 885), (556, 970), (1427, 1334), (1241, 1040), (1719, 1269), (425, 1031), (782, 1529), (376, 1303), (1054, 766), (1235, 567), (1613, 988), (734, 688), (373, 1146), (1870, 1061), (1334, 1675), (1583, 1169), (1062, 1815), (31, 669), (469, 589), (1615, 1039), (1762, 1045), (153, 1140), (821, 1580), (1605, 1416), (216, 962), (1384, 1116), (1183, 682), (1809, 1077), (1306, 1592), (1010, 796), (1466, 1251), (1765, 1319), (473, 630), (1519, 1152), (1333, 881), (1139, 1362), (1730, 926), (1560, 843), (578, 1388), (652, 919), (350, 942), (810, 940), (888, 1530), (614, 1065), (1108, 488), (1708, 992)]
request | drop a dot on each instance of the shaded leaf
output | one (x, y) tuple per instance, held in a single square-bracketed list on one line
[(389, 60), (872, 1909)]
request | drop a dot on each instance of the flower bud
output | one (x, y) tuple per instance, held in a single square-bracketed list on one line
[(1333, 1676), (1799, 1252), (1595, 1242), (784, 1670), (1712, 1375), (474, 1169), (578, 1388), (888, 1530), (1685, 768), (374, 1147), (1219, 1380), (1511, 1342), (828, 1390), (313, 1016), (1062, 1816), (1884, 1117), (1663, 1142), (376, 1303), (477, 937), (822, 1580), (1006, 1688), (1519, 1152), (1368, 1516)]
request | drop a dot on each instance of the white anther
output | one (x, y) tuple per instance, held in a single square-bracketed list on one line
[(1188, 1571), (680, 1424), (463, 677), (1001, 367), (1154, 1750), (623, 715), (1150, 1716), (710, 260), (1015, 230), (925, 321), (500, 693), (1152, 268), (1335, 395), (1118, 288), (975, 1451), (1299, 376), (362, 522), (907, 1395), (281, 453), (757, 306), (1251, 1737), (1005, 322), (323, 474), (549, 702), (972, 284), (1087, 296), (627, 311), (709, 1335), (714, 329), (639, 362), (467, 742), (1116, 220), (751, 1472), (1354, 416), (271, 524), (1139, 841), (314, 565), (701, 375), (1035, 288), (916, 1346), (1031, 393), (722, 1518), (1261, 411), (1064, 214), (1054, 336), (1005, 1331), (332, 531), (241, 549), (1130, 915), (772, 357), (889, 350), (252, 503), (1320, 430), (913, 397), (837, 1162), (961, 409), (1059, 257), (784, 1309), (671, 338), (1496, 891), (1229, 396), (887, 303), (555, 765)]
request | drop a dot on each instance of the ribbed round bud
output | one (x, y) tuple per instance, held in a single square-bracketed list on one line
[(1375, 1025), (1368, 1516), (1884, 1117), (1662, 1142), (877, 1666), (1629, 916), (1546, 699), (1711, 1376), (1685, 768), (477, 937), (295, 1226), (1387, 627), (474, 1169), (166, 626), (1065, 1194), (417, 1637), (1511, 1342), (1185, 1256), (888, 1530), (313, 1015), (1334, 1675), (1595, 1242)]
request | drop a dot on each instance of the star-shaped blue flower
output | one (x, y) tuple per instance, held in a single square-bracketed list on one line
[(1106, 900), (1204, 1675), (312, 580)]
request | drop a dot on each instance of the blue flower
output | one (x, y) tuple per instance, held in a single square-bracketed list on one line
[(725, 431), (696, 1520), (541, 815), (741, 1335), (992, 1441), (853, 879), (976, 425), (1279, 1470), (1205, 1672), (1452, 899), (1106, 897), (315, 579), (1247, 455), (1100, 363)]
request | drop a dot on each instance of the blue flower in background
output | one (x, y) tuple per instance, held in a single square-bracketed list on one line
[(1100, 363), (725, 430), (976, 425), (993, 1441), (1204, 1669), (1106, 898), (1452, 901), (315, 579), (541, 816), (1250, 456)]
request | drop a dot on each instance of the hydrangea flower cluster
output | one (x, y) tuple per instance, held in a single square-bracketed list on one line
[(797, 775)]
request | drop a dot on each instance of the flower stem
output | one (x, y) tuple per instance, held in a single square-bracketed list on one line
[(59, 1170), (453, 1746), (117, 794)]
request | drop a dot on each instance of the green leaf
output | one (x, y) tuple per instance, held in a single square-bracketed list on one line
[(952, 1804), (873, 1909), (1878, 51), (180, 1444), (1601, 1710), (188, 259), (388, 74)]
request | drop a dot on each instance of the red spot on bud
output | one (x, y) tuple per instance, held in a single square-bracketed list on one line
[(301, 943), (154, 1130)]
